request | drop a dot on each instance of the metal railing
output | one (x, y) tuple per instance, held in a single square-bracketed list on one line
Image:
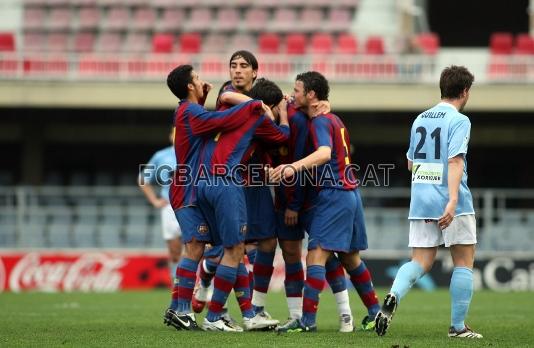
[(119, 217)]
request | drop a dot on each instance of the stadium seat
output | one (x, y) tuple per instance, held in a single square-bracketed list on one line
[(162, 43), (143, 19), (84, 236), (200, 19), (501, 43), (256, 19), (34, 18), (109, 236), (338, 20), (226, 20), (296, 44), (428, 43), (524, 44), (59, 236), (136, 43), (374, 45), (171, 20), (284, 20), (190, 43), (346, 44), (84, 42), (275, 68), (109, 42), (243, 41), (269, 43), (310, 20), (321, 43), (498, 68), (117, 18), (7, 42), (31, 236), (136, 236), (9, 65), (215, 43), (57, 42), (89, 18), (59, 19), (34, 41)]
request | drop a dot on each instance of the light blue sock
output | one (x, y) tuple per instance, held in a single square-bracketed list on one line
[(461, 290), (406, 277)]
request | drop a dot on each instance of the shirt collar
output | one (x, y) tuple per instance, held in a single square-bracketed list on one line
[(447, 105)]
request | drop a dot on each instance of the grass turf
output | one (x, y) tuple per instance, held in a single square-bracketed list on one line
[(135, 319)]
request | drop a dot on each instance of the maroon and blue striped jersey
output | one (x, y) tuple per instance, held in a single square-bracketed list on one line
[(298, 195), (193, 124), (329, 130)]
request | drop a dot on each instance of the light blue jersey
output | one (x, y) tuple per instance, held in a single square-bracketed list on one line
[(437, 135), (160, 170)]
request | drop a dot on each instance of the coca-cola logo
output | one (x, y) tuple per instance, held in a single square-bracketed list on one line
[(89, 272)]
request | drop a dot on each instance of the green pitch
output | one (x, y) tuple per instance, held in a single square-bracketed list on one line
[(135, 319)]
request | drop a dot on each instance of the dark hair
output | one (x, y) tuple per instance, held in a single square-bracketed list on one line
[(178, 79), (266, 91), (454, 79), (314, 81), (247, 56)]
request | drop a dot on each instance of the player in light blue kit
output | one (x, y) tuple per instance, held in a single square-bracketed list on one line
[(159, 171), (441, 206)]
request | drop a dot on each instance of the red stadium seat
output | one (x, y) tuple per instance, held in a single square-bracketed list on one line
[(57, 42), (190, 43), (256, 19), (269, 43), (109, 42), (310, 20), (501, 43), (118, 18), (284, 20), (9, 65), (227, 19), (374, 45), (136, 42), (34, 18), (321, 43), (34, 41), (162, 43), (243, 41), (428, 43), (7, 42), (143, 19), (215, 43), (524, 44), (172, 20), (200, 19), (346, 44), (339, 19), (84, 42), (295, 44), (59, 19), (89, 17), (275, 69)]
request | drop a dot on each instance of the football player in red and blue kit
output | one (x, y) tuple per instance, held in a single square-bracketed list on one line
[(222, 200), (192, 123), (338, 224)]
